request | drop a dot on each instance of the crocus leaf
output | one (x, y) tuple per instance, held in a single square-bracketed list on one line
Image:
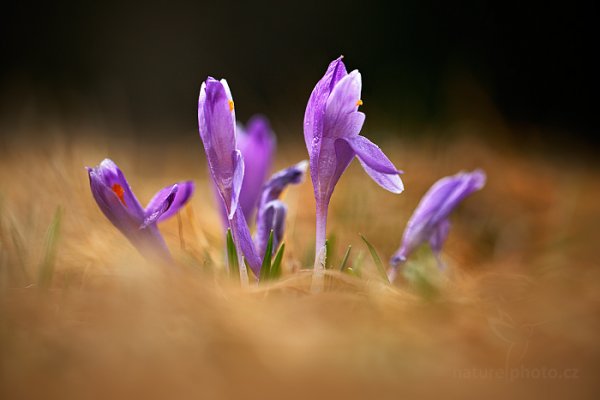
[(376, 259), (356, 268), (265, 269), (232, 257), (345, 259), (276, 267)]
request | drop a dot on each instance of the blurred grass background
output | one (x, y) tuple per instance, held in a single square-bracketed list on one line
[(82, 315)]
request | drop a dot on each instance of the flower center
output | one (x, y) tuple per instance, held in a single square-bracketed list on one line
[(230, 105), (118, 189), (359, 103)]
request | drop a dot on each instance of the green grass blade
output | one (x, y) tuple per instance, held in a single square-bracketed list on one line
[(232, 257), (276, 267), (343, 266), (46, 270), (376, 259), (329, 250), (265, 268)]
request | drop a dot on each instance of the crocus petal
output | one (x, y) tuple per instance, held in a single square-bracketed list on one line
[(243, 241), (271, 212), (376, 164), (342, 104), (185, 190), (372, 155), (429, 221), (272, 218), (238, 178), (216, 121), (315, 110), (257, 145), (280, 180), (464, 184), (314, 117), (111, 176), (439, 236), (161, 202), (390, 182), (111, 204)]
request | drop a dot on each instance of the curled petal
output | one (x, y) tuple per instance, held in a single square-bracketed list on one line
[(159, 205), (271, 212), (272, 217), (238, 178), (185, 190), (280, 180)]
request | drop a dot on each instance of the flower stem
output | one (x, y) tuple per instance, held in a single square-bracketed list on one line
[(320, 249)]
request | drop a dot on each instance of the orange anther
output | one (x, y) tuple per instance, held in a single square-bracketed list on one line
[(118, 189)]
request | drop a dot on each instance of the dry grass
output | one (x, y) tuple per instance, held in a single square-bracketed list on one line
[(521, 293)]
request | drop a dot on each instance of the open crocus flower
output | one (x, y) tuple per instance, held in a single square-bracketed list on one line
[(332, 124), (429, 222), (116, 200)]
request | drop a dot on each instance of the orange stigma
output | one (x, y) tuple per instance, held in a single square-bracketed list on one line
[(118, 189), (359, 103), (230, 105)]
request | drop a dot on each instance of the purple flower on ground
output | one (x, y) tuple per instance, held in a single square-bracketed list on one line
[(116, 200), (216, 123), (228, 166), (429, 222), (332, 124), (272, 211)]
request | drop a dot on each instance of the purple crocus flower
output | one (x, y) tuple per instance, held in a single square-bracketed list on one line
[(332, 124), (429, 222), (116, 200), (216, 123), (272, 211), (227, 164)]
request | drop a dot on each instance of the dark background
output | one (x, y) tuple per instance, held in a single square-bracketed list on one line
[(142, 63)]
